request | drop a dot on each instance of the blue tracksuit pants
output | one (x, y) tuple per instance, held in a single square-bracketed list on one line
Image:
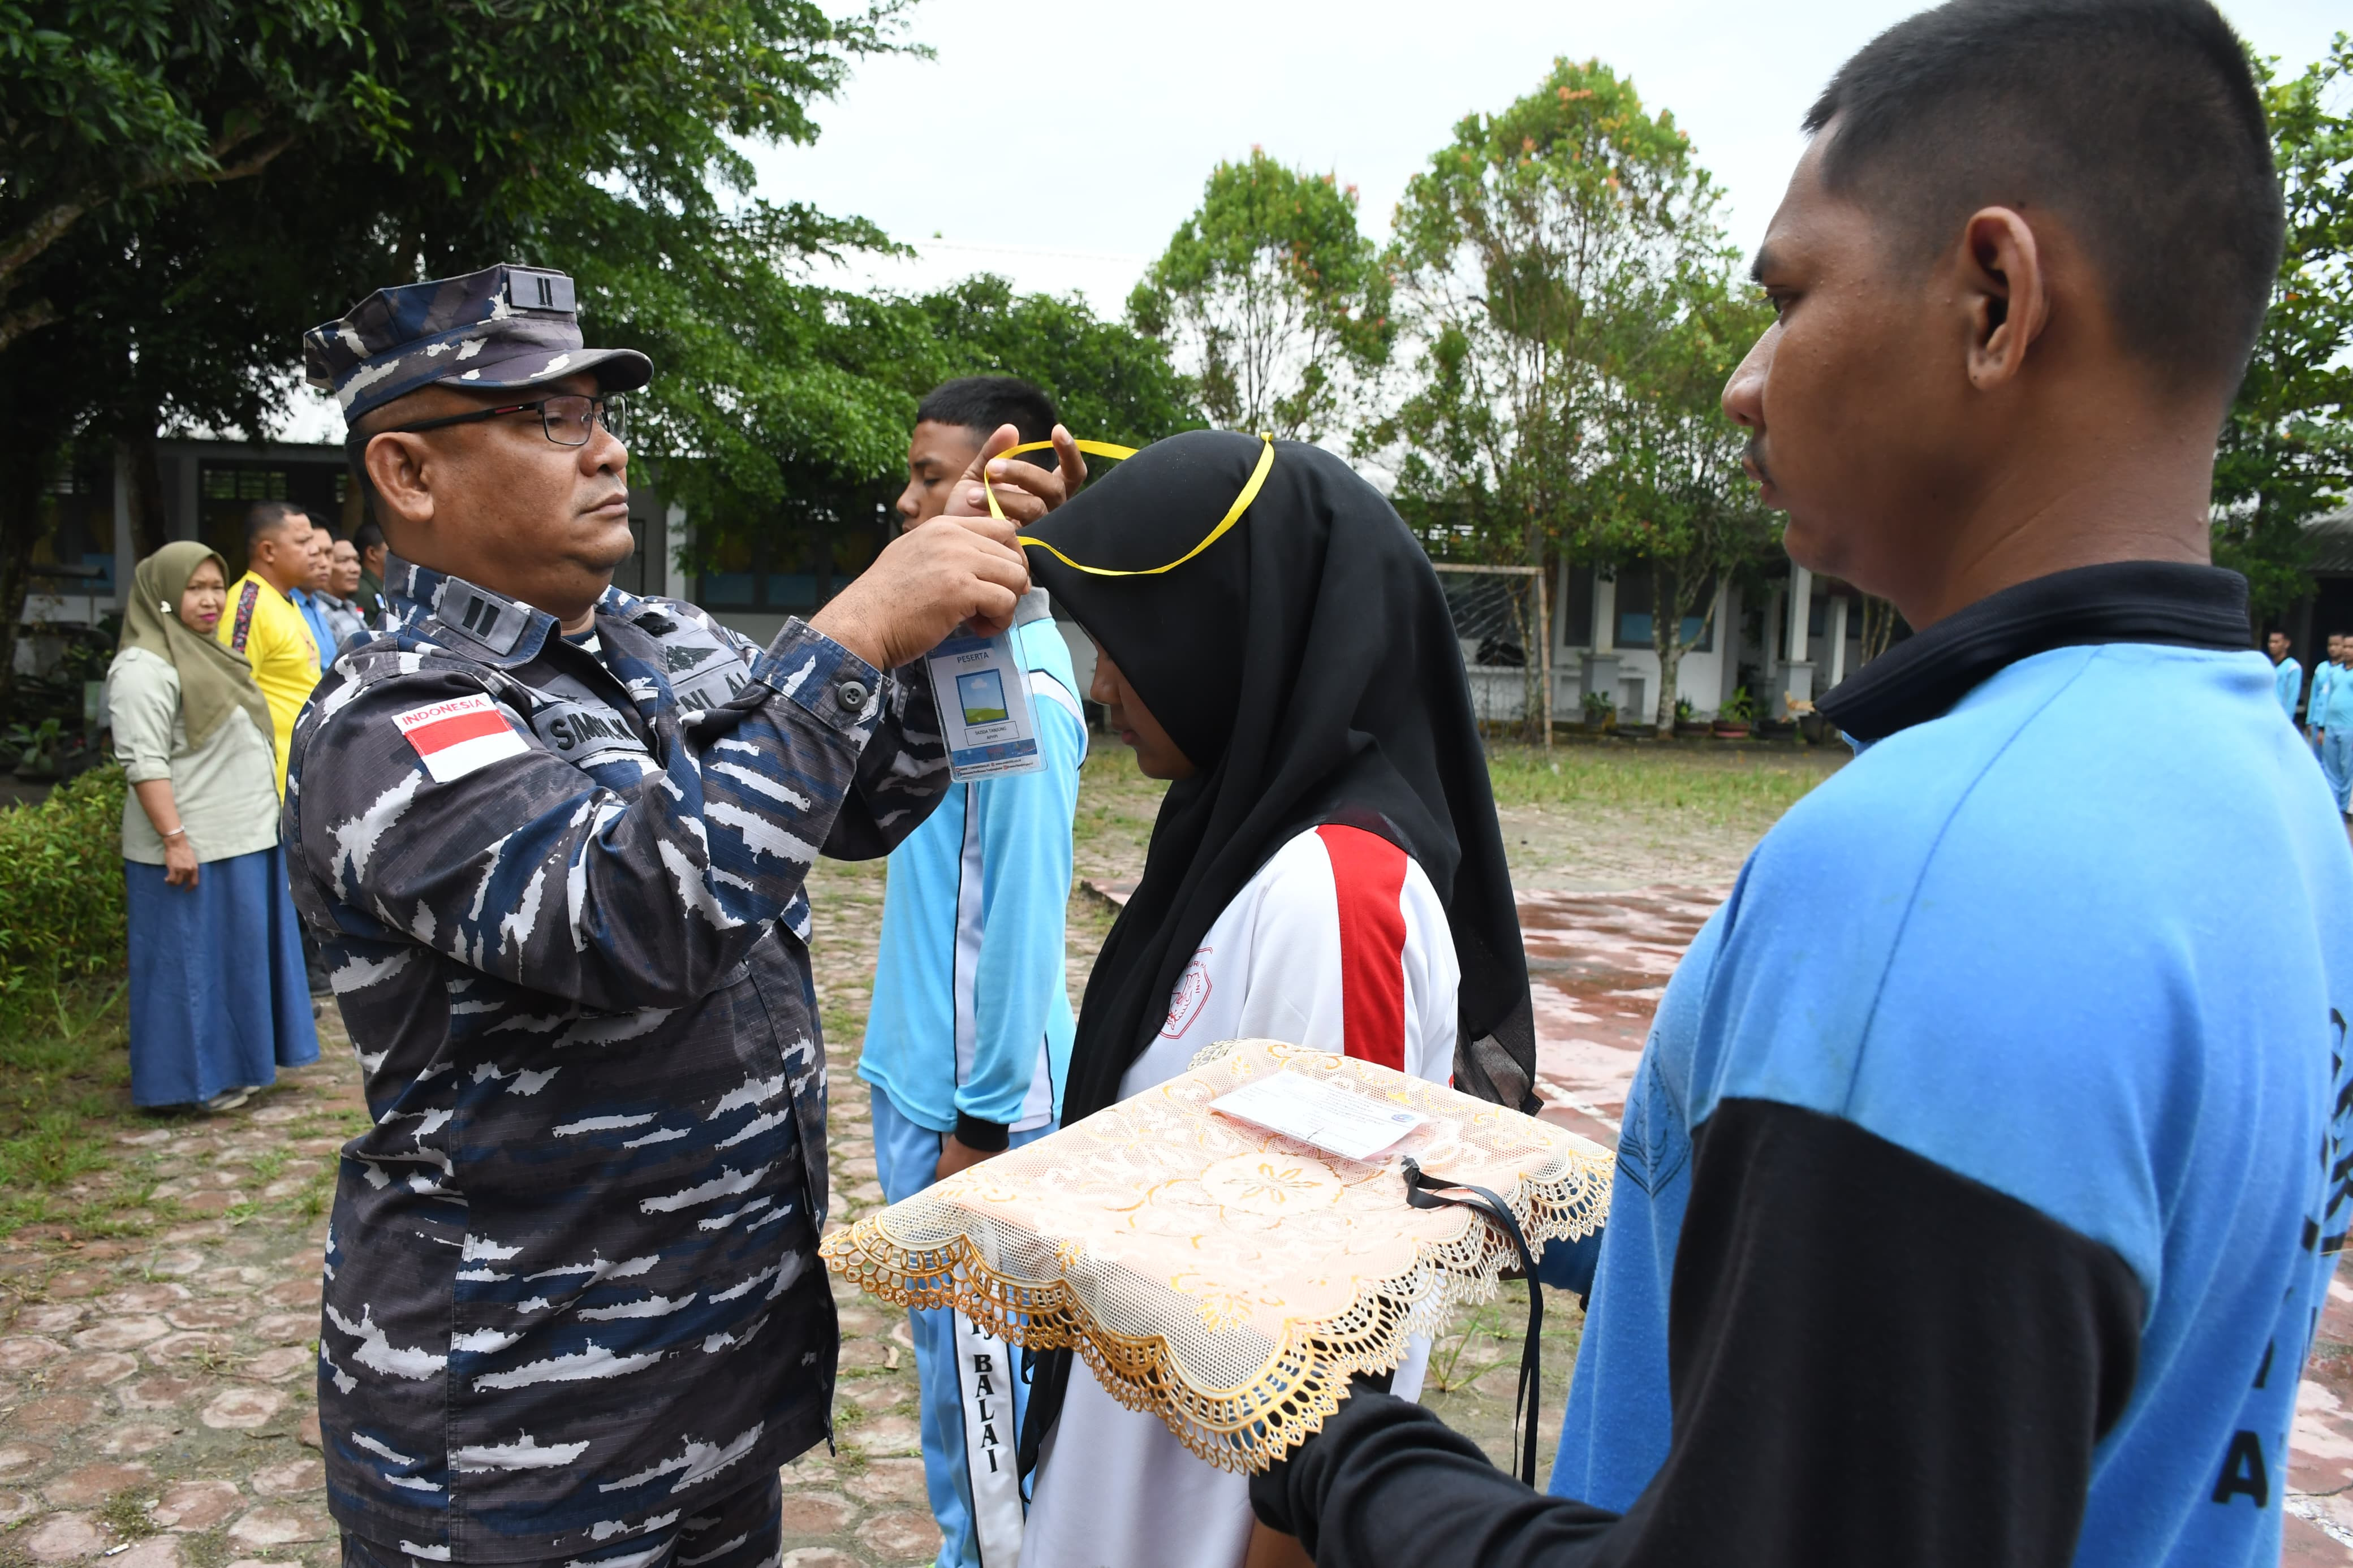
[(2337, 764), (972, 1401)]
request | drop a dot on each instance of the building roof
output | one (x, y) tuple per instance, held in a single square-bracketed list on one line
[(2332, 541)]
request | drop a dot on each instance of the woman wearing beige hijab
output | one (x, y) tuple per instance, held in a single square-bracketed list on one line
[(218, 1001)]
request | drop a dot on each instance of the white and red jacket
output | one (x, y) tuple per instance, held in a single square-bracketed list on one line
[(1340, 942)]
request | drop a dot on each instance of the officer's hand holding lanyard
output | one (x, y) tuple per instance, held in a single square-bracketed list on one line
[(901, 608)]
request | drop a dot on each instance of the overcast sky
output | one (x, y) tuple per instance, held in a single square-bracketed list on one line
[(1064, 152)]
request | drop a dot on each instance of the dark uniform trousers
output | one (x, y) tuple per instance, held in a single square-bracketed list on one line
[(744, 1530)]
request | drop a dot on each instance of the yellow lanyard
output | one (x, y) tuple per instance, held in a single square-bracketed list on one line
[(1105, 449)]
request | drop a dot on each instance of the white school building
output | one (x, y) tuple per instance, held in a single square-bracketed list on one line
[(1796, 639)]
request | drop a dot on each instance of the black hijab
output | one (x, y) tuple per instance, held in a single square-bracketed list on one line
[(1307, 665)]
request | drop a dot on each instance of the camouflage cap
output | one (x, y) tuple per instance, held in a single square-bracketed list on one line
[(501, 328)]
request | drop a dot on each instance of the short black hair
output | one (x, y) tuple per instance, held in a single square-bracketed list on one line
[(367, 536), (2136, 120), (269, 517), (982, 403)]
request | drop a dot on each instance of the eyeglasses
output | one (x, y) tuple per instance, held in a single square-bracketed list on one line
[(569, 419)]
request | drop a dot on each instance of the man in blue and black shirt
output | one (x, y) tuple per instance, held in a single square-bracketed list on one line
[(1980, 1185)]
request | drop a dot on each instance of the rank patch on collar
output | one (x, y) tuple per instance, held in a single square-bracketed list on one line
[(454, 738)]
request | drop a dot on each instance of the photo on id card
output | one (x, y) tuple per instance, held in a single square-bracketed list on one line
[(984, 702)]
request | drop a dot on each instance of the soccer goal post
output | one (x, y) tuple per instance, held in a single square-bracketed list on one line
[(1506, 629)]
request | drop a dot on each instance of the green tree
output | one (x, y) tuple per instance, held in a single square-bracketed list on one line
[(1275, 291), (115, 103), (809, 457), (2286, 451), (1512, 249), (1668, 489), (1110, 382), (186, 186)]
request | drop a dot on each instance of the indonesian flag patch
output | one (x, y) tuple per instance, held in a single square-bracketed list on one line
[(454, 738)]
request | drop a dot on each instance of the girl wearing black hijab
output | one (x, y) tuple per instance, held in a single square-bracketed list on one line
[(1326, 869)]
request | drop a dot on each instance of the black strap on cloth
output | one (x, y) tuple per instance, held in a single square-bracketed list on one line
[(1050, 1380), (1424, 1190)]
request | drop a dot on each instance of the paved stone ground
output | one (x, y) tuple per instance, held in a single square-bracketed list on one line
[(156, 1395), (156, 1408)]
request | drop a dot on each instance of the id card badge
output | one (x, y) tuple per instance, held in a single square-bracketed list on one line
[(984, 699)]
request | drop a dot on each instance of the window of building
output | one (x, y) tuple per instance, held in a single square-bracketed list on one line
[(1634, 613), (75, 554), (1577, 608), (774, 574), (226, 489)]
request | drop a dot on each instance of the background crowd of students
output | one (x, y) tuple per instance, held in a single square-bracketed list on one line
[(202, 698), (2328, 709)]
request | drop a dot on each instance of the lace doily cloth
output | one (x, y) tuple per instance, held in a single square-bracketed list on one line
[(1226, 1278)]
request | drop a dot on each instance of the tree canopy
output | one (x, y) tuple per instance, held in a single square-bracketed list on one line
[(1273, 293), (2287, 449), (833, 446), (1666, 489), (1518, 254), (185, 187)]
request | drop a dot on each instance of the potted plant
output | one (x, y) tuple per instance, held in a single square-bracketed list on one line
[(1685, 714), (1600, 710), (1738, 712), (37, 749)]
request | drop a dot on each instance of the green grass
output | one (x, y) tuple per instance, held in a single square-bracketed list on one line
[(125, 1514), (1116, 807), (65, 1093), (1716, 788), (65, 1109), (1730, 787)]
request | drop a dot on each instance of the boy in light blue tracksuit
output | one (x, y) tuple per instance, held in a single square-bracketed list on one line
[(2287, 675), (2022, 1018), (2323, 679), (2332, 719), (968, 1038)]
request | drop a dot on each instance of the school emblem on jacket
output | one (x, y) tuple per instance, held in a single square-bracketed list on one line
[(1192, 995)]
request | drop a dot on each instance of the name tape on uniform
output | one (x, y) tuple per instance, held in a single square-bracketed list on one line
[(453, 739)]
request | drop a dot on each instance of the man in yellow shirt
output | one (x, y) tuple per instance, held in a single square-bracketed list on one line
[(263, 623)]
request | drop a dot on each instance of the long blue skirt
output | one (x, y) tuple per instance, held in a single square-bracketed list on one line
[(218, 997)]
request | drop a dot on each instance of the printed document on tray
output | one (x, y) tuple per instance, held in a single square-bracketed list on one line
[(1352, 1126)]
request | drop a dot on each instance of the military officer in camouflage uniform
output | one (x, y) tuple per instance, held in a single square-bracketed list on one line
[(553, 838)]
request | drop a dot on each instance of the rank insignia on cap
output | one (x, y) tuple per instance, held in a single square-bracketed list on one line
[(530, 291), (503, 329)]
